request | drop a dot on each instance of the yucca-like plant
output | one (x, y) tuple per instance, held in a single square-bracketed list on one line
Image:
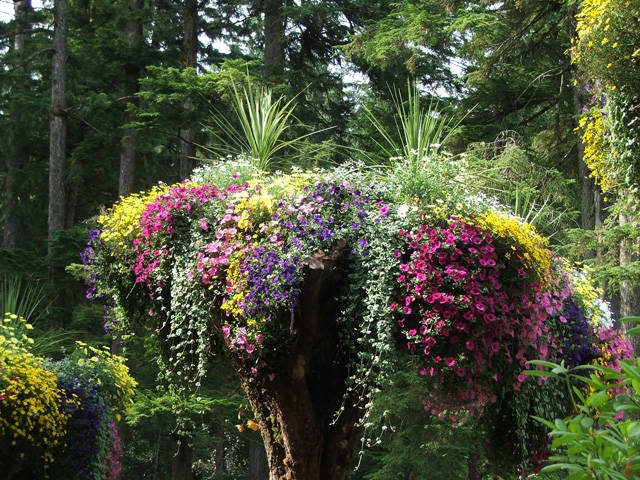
[(540, 211), (263, 122), (419, 131), (23, 302), (413, 147), (25, 299)]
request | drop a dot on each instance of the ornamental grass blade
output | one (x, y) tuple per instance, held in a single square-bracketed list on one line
[(419, 132), (25, 298), (262, 125)]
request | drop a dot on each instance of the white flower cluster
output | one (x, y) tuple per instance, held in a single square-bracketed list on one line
[(220, 171), (603, 311)]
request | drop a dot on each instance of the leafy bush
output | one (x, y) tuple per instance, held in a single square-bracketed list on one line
[(57, 419), (601, 438)]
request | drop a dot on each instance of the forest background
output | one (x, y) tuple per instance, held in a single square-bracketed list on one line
[(99, 99)]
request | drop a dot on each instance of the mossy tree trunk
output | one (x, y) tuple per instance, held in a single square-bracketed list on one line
[(296, 402)]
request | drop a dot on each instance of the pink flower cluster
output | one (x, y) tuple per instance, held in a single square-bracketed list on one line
[(240, 340), (471, 314), (615, 347), (157, 221), (214, 256)]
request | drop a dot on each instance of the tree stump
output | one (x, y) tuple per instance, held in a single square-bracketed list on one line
[(297, 402)]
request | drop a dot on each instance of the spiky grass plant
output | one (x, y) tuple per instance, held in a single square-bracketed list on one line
[(413, 147), (263, 122), (24, 302), (25, 299), (419, 131)]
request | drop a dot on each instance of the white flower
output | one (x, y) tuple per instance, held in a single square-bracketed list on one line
[(603, 310), (403, 210)]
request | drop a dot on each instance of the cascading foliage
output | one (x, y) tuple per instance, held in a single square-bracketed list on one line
[(466, 288)]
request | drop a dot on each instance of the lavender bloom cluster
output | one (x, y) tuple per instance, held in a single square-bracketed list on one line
[(88, 439), (580, 348), (326, 212), (89, 259)]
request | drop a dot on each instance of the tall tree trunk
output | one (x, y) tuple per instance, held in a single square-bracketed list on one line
[(590, 197), (58, 125), (156, 456), (258, 466), (71, 204), (189, 60), (629, 289), (274, 30), (181, 463), (219, 463), (296, 403), (17, 151), (128, 145)]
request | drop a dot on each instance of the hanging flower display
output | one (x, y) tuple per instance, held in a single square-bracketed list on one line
[(475, 294)]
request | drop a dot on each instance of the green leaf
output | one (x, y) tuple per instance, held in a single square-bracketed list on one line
[(546, 423), (539, 373), (597, 399), (560, 425), (633, 430), (630, 370), (563, 466), (554, 367)]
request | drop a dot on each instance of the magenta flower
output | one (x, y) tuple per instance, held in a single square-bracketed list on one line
[(470, 302)]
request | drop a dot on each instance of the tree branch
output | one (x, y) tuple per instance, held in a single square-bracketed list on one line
[(30, 57), (13, 33)]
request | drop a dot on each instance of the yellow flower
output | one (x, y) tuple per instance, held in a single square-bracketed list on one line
[(597, 150), (253, 425), (120, 223), (31, 406), (523, 239)]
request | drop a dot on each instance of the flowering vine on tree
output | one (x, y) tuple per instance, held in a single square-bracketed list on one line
[(314, 282)]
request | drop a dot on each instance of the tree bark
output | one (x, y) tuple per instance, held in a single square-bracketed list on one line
[(58, 125), (182, 460), (189, 60), (128, 144), (18, 145), (258, 466), (220, 465), (590, 196), (296, 403), (274, 30), (629, 289)]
